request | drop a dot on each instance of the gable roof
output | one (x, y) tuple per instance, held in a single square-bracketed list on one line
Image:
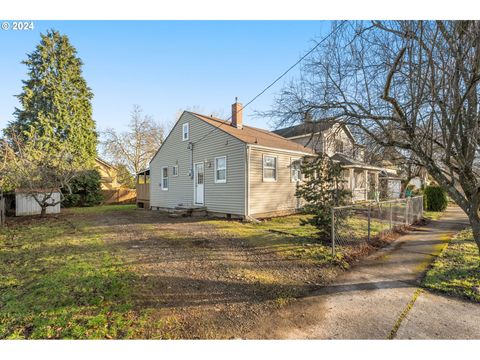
[(104, 163), (308, 128), (254, 136), (304, 129)]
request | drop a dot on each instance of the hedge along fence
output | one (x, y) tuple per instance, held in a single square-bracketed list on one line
[(119, 196), (435, 198)]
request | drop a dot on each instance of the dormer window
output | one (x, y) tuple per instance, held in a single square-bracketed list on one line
[(185, 131)]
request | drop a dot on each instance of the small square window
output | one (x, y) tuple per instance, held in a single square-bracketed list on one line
[(185, 131), (221, 169)]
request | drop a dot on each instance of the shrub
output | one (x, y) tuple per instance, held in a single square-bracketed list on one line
[(435, 198), (86, 190)]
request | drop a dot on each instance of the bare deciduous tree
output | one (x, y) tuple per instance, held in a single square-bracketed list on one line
[(136, 147), (38, 171), (410, 85)]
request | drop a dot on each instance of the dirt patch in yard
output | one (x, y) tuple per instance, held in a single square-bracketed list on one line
[(213, 284)]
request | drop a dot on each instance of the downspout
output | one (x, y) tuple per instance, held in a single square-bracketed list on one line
[(247, 186), (190, 147)]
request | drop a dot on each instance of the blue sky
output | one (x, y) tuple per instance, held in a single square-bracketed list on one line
[(167, 66)]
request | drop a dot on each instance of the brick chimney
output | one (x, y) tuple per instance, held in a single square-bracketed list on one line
[(237, 120)]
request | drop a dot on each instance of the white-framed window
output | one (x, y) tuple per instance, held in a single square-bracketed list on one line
[(269, 168), (339, 146), (221, 169), (164, 178), (295, 166), (175, 170), (185, 131)]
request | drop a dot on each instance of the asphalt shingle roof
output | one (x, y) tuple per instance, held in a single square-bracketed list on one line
[(256, 136), (304, 129)]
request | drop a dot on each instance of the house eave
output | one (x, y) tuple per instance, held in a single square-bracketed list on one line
[(254, 146)]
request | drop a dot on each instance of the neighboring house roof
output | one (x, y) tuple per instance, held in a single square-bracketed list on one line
[(304, 129), (104, 163), (255, 136), (307, 128)]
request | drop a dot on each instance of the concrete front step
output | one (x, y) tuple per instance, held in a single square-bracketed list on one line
[(196, 211)]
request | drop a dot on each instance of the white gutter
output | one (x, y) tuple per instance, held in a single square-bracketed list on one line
[(253, 146)]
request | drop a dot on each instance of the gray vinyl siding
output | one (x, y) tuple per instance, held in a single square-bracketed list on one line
[(266, 196), (226, 197)]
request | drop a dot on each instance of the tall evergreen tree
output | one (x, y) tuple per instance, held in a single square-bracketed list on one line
[(56, 101)]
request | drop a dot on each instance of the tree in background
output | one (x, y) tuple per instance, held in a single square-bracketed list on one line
[(56, 101), (135, 147), (125, 177), (322, 188), (411, 85), (85, 190)]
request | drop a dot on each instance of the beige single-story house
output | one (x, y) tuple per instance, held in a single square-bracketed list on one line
[(231, 169), (226, 167)]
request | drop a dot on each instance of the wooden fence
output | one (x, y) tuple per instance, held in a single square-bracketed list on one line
[(119, 196), (2, 209)]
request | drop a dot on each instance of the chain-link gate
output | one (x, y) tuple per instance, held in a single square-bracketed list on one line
[(359, 225)]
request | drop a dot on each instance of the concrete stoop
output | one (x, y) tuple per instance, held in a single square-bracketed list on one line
[(187, 211)]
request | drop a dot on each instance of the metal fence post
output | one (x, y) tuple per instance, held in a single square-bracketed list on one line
[(391, 216), (369, 217), (333, 232), (406, 210), (421, 207)]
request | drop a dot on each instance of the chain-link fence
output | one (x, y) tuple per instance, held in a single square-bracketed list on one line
[(362, 225)]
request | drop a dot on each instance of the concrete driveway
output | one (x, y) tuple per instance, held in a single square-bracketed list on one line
[(380, 298)]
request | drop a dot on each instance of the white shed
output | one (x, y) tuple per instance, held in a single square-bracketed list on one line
[(26, 205)]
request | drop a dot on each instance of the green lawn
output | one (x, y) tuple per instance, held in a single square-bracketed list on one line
[(457, 270), (59, 281)]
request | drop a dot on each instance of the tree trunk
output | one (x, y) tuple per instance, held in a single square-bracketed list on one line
[(44, 211), (475, 223)]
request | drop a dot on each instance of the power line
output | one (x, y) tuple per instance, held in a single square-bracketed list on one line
[(277, 79)]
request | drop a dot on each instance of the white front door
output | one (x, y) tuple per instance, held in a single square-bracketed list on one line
[(199, 179)]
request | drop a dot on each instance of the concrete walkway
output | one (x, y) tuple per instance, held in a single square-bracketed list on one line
[(381, 298)]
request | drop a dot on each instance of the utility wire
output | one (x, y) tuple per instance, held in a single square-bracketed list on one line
[(277, 79)]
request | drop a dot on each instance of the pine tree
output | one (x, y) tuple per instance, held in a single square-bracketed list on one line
[(322, 188), (56, 101)]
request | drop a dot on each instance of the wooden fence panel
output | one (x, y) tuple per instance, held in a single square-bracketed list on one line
[(119, 196)]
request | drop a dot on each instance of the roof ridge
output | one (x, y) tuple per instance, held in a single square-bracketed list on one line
[(255, 135), (247, 126)]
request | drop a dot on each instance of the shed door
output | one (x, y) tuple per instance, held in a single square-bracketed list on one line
[(199, 184)]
